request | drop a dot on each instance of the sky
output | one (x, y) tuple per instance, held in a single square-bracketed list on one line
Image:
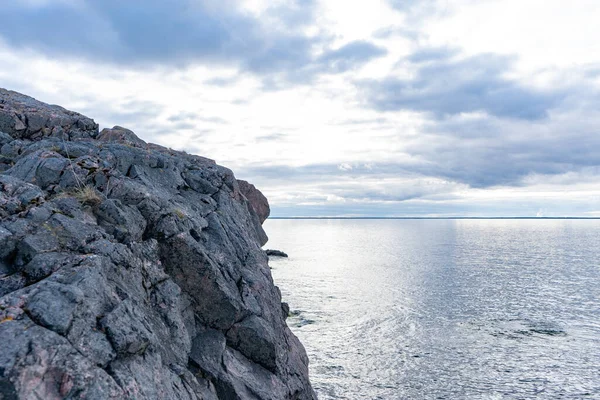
[(339, 108)]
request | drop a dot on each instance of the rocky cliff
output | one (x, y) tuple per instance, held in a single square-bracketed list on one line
[(132, 271)]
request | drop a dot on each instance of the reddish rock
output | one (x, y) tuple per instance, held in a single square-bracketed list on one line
[(257, 200)]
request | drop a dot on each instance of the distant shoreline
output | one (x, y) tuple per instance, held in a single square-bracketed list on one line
[(539, 218)]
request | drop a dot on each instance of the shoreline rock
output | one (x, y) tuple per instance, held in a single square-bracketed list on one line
[(132, 271), (276, 253)]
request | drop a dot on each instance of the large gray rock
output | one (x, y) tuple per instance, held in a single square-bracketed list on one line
[(132, 271), (23, 117), (120, 135)]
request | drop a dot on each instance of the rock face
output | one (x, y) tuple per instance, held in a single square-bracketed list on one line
[(132, 271), (257, 200)]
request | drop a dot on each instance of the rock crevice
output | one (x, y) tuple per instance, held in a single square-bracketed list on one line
[(132, 271)]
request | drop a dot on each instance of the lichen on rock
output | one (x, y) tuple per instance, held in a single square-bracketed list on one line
[(132, 271)]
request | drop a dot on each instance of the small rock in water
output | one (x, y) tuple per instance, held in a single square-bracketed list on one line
[(276, 253)]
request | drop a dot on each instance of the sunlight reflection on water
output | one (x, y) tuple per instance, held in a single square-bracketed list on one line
[(444, 309)]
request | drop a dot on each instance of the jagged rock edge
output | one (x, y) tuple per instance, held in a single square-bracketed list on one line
[(289, 377)]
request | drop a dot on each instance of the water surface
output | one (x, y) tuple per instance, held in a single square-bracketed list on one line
[(444, 309)]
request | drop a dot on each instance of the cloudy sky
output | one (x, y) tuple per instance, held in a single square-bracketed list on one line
[(339, 108)]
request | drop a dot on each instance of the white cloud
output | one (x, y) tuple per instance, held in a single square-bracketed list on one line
[(543, 33), (244, 118)]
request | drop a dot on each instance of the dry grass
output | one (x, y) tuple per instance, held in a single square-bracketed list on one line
[(88, 195), (180, 214)]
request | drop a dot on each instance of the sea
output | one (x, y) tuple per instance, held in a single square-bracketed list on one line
[(444, 309)]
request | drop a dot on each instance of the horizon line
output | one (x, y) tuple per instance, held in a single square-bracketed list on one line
[(460, 217)]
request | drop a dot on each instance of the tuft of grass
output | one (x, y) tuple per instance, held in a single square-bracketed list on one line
[(88, 195), (180, 214)]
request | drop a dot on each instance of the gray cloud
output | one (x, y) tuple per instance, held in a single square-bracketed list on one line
[(158, 32), (401, 31), (350, 55), (443, 87), (300, 69), (407, 5), (371, 192), (188, 120), (272, 137), (183, 126), (321, 190), (199, 134), (427, 54), (416, 11), (142, 31), (222, 82), (295, 13), (491, 152), (592, 71), (147, 33), (182, 116), (479, 152), (524, 136), (213, 120)]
